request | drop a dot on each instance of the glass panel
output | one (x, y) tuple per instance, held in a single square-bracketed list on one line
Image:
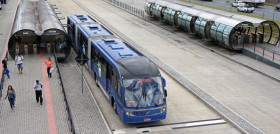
[(147, 5), (220, 31), (188, 23), (202, 28), (213, 30), (226, 35), (184, 20), (143, 92), (196, 26), (172, 17), (267, 32), (180, 19), (275, 35)]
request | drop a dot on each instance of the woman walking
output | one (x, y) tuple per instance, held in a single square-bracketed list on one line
[(49, 66), (11, 94)]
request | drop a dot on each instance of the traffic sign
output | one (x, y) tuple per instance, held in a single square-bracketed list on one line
[(81, 59)]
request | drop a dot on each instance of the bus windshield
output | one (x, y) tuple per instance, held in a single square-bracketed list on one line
[(146, 92)]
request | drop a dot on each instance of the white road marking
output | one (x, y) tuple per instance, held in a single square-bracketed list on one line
[(205, 123), (181, 125)]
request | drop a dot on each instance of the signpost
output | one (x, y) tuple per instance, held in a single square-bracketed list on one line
[(82, 59)]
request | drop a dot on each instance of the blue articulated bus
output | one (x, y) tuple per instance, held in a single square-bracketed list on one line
[(73, 22), (130, 81)]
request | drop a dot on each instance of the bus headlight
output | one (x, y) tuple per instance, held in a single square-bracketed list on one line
[(129, 113), (163, 109)]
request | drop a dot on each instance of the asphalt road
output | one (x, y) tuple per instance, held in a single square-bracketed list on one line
[(266, 11)]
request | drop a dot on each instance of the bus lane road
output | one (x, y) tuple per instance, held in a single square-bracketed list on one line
[(246, 92), (185, 112)]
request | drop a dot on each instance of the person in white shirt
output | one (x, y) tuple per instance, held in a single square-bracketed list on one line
[(18, 61), (38, 91)]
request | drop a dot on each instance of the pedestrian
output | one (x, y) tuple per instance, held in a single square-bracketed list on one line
[(49, 66), (11, 94), (18, 61), (38, 91), (5, 67)]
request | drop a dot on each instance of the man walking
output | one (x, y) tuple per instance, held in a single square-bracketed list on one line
[(5, 67), (18, 61), (38, 91)]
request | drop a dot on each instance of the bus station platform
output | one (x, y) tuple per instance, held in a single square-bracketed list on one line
[(51, 117), (268, 54), (28, 116)]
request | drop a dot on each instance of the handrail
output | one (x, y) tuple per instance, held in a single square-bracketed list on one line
[(135, 11), (2, 79), (274, 53), (65, 98)]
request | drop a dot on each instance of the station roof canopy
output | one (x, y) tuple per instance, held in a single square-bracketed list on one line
[(220, 16)]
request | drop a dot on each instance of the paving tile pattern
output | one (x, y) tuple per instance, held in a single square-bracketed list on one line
[(61, 117), (28, 116), (86, 115)]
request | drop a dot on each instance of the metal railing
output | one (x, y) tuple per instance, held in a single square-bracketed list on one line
[(2, 79), (265, 52), (1, 84), (138, 12), (65, 98)]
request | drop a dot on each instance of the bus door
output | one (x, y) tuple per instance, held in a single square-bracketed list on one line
[(102, 74), (109, 78)]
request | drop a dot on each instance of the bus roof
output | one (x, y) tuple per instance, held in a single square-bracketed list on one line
[(90, 30), (79, 18), (116, 48), (131, 63), (137, 67)]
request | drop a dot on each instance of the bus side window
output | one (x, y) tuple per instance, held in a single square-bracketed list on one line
[(96, 55), (85, 44), (93, 54), (119, 89), (103, 66), (80, 38), (69, 26), (72, 28), (109, 73)]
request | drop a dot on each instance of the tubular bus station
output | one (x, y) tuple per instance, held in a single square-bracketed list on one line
[(230, 31), (36, 28)]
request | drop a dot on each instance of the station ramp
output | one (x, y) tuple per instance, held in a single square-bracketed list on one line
[(29, 117), (266, 53)]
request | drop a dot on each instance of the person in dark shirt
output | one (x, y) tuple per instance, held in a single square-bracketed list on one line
[(5, 67)]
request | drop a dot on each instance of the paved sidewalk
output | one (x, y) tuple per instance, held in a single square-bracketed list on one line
[(28, 116), (6, 17), (87, 118)]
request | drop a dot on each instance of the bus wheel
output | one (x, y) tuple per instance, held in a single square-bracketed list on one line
[(115, 107)]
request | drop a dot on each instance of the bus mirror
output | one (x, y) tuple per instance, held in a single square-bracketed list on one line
[(163, 82), (165, 93)]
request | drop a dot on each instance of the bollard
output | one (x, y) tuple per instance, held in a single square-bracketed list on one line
[(25, 48), (34, 48), (17, 48), (49, 47)]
